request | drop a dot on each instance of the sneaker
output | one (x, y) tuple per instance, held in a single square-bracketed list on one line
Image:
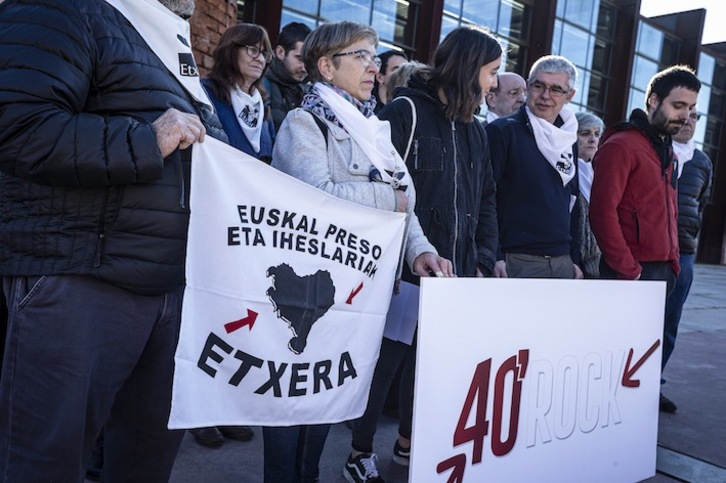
[(209, 437), (401, 455), (239, 433), (666, 405), (362, 469)]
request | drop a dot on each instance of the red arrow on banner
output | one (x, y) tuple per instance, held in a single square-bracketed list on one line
[(457, 462), (628, 373), (353, 293), (238, 324)]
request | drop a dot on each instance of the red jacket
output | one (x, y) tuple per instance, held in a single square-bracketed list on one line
[(633, 202)]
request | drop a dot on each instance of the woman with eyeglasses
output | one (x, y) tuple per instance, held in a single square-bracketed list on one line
[(589, 129), (446, 151), (336, 143), (241, 59)]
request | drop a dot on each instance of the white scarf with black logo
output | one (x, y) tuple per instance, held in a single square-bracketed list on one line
[(250, 112), (371, 134), (555, 143), (167, 35)]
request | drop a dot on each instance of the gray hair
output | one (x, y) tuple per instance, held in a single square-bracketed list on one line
[(183, 8), (554, 64), (401, 76), (588, 120), (329, 39)]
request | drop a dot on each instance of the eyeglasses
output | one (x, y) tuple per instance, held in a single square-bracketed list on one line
[(254, 52), (694, 117), (514, 93), (365, 57), (555, 91)]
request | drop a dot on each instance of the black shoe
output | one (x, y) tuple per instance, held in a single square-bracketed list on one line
[(209, 437), (362, 469), (401, 455), (666, 405), (239, 433)]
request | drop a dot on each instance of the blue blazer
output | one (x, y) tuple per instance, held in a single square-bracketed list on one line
[(234, 132)]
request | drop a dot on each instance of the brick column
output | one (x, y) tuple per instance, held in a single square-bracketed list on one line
[(211, 18)]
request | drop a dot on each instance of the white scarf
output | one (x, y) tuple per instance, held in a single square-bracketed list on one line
[(250, 113), (587, 173), (555, 143), (167, 35), (684, 152), (371, 134), (491, 116)]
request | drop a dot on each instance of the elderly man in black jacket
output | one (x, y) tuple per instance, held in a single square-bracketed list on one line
[(95, 127), (695, 172)]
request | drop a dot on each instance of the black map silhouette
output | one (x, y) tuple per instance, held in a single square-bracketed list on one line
[(300, 301)]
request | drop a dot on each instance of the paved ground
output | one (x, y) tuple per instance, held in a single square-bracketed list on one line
[(692, 446)]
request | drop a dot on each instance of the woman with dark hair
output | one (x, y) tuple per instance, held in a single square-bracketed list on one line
[(335, 143), (390, 62), (235, 88), (446, 151)]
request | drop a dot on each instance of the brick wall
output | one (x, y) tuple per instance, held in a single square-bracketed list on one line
[(211, 18)]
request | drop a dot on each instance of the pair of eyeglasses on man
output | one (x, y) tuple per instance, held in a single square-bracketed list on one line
[(254, 52), (694, 116), (365, 57), (555, 91)]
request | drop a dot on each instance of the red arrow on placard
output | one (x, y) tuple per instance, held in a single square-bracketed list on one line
[(628, 380), (457, 462), (238, 324), (353, 293)]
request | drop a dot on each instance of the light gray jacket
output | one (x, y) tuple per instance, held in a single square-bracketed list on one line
[(342, 170)]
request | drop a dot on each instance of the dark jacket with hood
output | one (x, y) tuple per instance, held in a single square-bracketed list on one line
[(633, 200), (83, 186), (285, 92), (450, 166), (694, 190)]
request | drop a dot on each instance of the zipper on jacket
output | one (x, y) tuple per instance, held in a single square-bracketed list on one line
[(456, 191), (637, 226), (101, 231), (415, 153)]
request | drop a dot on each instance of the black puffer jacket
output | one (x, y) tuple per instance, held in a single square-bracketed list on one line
[(83, 186), (450, 166), (285, 92), (694, 190)]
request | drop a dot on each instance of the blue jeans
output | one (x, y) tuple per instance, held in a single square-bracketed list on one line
[(292, 454), (674, 306), (82, 355)]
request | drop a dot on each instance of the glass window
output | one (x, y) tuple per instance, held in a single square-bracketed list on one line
[(453, 7), (606, 21), (719, 76), (596, 95), (390, 19), (650, 40), (643, 70), (716, 104), (706, 66), (580, 12), (601, 55), (575, 45), (671, 51), (353, 10), (704, 98), (637, 101), (288, 16), (303, 6), (481, 12), (513, 20)]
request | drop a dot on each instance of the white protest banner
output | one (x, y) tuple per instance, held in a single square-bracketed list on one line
[(537, 380), (286, 297)]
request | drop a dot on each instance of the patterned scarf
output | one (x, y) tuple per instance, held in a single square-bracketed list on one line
[(314, 103)]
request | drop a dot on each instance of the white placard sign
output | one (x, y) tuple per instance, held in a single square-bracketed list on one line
[(537, 380), (286, 297)]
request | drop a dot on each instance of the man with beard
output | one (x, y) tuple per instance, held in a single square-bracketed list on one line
[(285, 81), (633, 210), (100, 102)]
